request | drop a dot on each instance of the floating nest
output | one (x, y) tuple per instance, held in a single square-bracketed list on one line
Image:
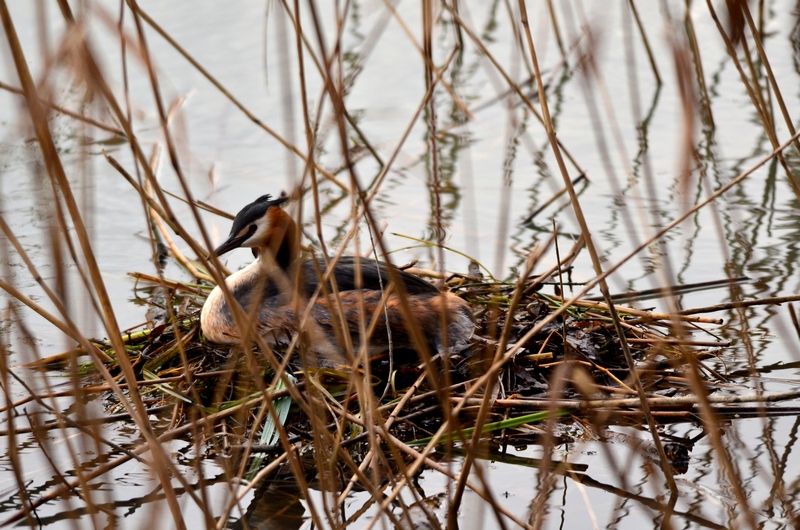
[(543, 361)]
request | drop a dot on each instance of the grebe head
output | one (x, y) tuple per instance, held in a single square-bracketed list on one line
[(263, 225)]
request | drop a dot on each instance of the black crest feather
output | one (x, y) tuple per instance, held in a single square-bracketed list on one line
[(254, 211)]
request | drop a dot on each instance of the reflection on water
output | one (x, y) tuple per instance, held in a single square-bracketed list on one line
[(625, 478), (275, 505), (475, 174)]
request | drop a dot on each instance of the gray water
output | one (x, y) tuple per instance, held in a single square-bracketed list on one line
[(497, 168)]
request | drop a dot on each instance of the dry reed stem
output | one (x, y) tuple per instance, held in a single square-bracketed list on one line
[(698, 61), (156, 218), (741, 177), (528, 103), (56, 171), (102, 469), (488, 397), (50, 359), (219, 86), (495, 367), (65, 327), (650, 57), (612, 403), (386, 426), (97, 78), (773, 83), (772, 300), (760, 109), (422, 458), (96, 389), (592, 253), (332, 63), (418, 340), (67, 112), (681, 342), (163, 214), (374, 187), (678, 316), (171, 284), (542, 207), (424, 52), (222, 520), (554, 24)]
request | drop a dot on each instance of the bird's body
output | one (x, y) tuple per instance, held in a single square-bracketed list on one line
[(285, 294)]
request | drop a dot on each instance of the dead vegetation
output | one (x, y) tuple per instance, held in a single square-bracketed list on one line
[(550, 366)]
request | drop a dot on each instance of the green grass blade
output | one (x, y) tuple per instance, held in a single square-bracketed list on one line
[(510, 423)]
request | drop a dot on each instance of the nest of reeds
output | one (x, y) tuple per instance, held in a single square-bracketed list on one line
[(533, 358)]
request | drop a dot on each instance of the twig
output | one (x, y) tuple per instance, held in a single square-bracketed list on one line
[(586, 405), (683, 342), (775, 300), (551, 200), (645, 314), (674, 289)]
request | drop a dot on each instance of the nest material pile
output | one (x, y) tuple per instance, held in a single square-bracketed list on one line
[(571, 364)]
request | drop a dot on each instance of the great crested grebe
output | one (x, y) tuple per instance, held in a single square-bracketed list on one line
[(267, 288)]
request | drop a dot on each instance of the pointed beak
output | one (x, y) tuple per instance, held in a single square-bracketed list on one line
[(231, 244), (236, 239)]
